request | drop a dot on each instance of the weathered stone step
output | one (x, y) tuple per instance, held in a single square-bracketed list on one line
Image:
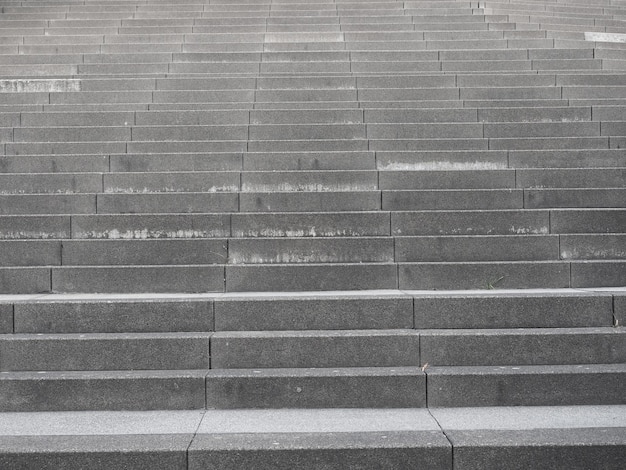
[(358, 387), (309, 201), (485, 275), (186, 182), (310, 181), (536, 385), (199, 278), (452, 199), (120, 314), (590, 158), (99, 351), (151, 226), (514, 309), (471, 222), (198, 251), (403, 180), (51, 183), (310, 250), (315, 349), (144, 252), (295, 160), (574, 198), (401, 387), (363, 310), (102, 390), (479, 248), (311, 277), (497, 347), (571, 178), (575, 436), (25, 204)]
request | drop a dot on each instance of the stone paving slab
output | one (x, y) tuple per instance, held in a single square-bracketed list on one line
[(538, 385), (316, 388), (521, 347), (124, 314), (102, 390), (571, 448), (97, 452), (297, 349), (99, 351)]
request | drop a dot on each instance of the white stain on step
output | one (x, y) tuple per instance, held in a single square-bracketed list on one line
[(605, 37)]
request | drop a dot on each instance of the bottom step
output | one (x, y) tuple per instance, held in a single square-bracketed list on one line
[(508, 437)]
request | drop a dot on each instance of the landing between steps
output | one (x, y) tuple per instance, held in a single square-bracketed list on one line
[(504, 437)]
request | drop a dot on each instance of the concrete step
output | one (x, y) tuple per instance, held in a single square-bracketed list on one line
[(309, 181), (452, 199), (102, 390), (357, 310), (310, 250), (495, 347), (477, 248), (348, 438), (54, 164), (121, 314), (571, 178), (450, 179), (601, 158), (369, 387), (489, 275), (289, 161), (541, 385), (66, 183), (185, 182), (587, 221), (144, 252), (315, 349), (104, 351), (471, 222), (160, 162)]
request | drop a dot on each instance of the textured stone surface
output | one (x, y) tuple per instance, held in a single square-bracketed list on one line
[(6, 318), (598, 273), (318, 451), (113, 316), (310, 277), (484, 275), (558, 448), (469, 199), (523, 346), (476, 248), (24, 280), (144, 252), (300, 224), (106, 390), (311, 420), (513, 310), (310, 250), (477, 222), (293, 349), (166, 451), (166, 203), (138, 279), (27, 204), (316, 388), (98, 351), (314, 313), (30, 253), (526, 385), (145, 226)]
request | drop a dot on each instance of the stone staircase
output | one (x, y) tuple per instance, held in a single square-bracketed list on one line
[(271, 234)]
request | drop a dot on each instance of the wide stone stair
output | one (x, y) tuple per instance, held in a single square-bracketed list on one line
[(340, 234)]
